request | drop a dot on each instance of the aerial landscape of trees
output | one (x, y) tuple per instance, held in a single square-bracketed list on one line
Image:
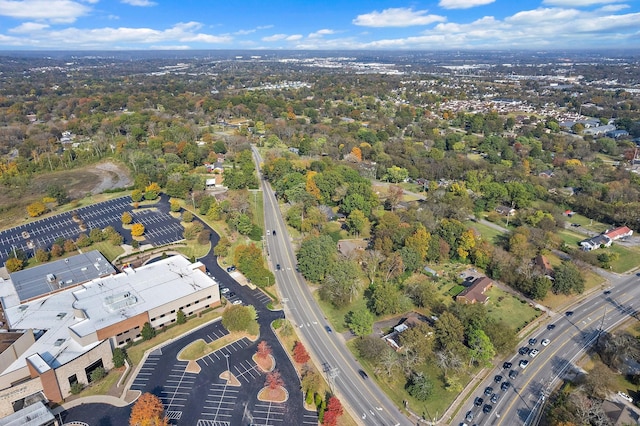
[(423, 187)]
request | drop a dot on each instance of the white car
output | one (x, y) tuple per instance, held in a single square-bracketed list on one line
[(523, 363), (545, 342), (625, 396), (533, 353), (237, 302), (224, 290)]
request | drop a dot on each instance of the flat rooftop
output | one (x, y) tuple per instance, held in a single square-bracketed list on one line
[(73, 270), (104, 301)]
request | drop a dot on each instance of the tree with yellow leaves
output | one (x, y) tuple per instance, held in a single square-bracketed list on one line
[(137, 230), (148, 411)]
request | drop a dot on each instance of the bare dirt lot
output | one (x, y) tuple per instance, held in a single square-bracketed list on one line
[(79, 183)]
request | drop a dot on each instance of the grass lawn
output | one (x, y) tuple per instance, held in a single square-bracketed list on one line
[(487, 232), (505, 307), (571, 238), (109, 251), (102, 386), (629, 258), (199, 348), (194, 249), (587, 223), (337, 316), (136, 352), (393, 386), (555, 301)]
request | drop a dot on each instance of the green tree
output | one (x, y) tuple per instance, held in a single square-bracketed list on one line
[(360, 321), (396, 174), (42, 255), (482, 349), (119, 356), (567, 279), (341, 284), (419, 241), (181, 318), (448, 330), (238, 318), (136, 195), (357, 222), (147, 331), (187, 216), (174, 205), (385, 299), (420, 387), (315, 256)]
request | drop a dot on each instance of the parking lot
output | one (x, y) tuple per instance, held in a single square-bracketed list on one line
[(206, 399), (160, 227)]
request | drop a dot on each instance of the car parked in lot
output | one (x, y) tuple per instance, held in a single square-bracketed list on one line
[(224, 290), (505, 385), (237, 302), (545, 342), (231, 294), (231, 268)]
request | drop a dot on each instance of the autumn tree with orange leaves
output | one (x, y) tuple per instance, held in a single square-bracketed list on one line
[(334, 410), (300, 354), (148, 411)]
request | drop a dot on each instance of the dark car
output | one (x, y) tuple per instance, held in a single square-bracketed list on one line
[(363, 374), (523, 350), (488, 390), (575, 225), (532, 342), (478, 401), (278, 267), (497, 378), (231, 294), (607, 292), (231, 268), (513, 374), (551, 326), (505, 385), (273, 232), (507, 365), (568, 313), (326, 327), (494, 398), (487, 408)]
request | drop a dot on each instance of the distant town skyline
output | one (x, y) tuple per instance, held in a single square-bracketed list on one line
[(316, 24)]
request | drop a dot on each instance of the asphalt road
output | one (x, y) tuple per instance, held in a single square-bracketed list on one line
[(363, 398), (573, 333)]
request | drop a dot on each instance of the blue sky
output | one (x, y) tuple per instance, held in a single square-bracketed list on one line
[(318, 24)]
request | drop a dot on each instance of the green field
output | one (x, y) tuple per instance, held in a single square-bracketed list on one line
[(628, 258), (487, 232), (509, 309), (337, 316)]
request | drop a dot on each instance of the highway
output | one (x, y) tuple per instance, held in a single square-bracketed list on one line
[(570, 333), (360, 396)]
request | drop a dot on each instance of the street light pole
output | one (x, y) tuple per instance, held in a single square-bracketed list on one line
[(228, 371)]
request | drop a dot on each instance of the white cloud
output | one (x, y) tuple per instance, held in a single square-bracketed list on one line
[(397, 17), (57, 11), (28, 27), (253, 30), (294, 37), (274, 37), (141, 3), (613, 7), (321, 33), (170, 47), (578, 3), (463, 4)]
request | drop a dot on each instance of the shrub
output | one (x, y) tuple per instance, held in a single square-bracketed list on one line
[(119, 356), (98, 374), (76, 388)]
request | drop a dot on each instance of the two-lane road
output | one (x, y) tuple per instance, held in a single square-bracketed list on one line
[(368, 404)]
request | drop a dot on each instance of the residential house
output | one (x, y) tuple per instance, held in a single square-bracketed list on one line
[(542, 264), (475, 293), (506, 211), (618, 233), (619, 414), (546, 174), (617, 134), (595, 243), (411, 320)]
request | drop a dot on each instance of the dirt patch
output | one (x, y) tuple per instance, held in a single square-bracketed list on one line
[(93, 179)]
